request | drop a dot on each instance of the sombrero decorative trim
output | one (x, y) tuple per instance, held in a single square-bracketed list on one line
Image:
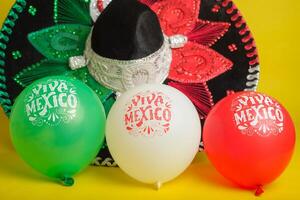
[(247, 40), (96, 7), (64, 12), (118, 74), (5, 32)]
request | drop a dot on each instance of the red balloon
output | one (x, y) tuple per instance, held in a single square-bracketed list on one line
[(250, 138)]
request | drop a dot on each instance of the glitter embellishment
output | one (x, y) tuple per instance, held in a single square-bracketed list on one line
[(121, 75), (32, 10), (194, 62), (16, 55), (178, 41), (94, 11), (61, 41), (77, 62)]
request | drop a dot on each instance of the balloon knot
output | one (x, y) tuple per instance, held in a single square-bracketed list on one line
[(259, 190), (158, 185), (67, 181)]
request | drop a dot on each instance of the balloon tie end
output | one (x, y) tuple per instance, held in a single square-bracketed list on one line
[(259, 191), (67, 181), (158, 185)]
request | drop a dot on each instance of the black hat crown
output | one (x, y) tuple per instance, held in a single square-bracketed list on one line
[(127, 30)]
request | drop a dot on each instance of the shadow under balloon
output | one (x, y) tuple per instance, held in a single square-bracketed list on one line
[(116, 177), (15, 168), (206, 173), (201, 170)]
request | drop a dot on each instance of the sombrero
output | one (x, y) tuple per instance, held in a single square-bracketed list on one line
[(204, 48)]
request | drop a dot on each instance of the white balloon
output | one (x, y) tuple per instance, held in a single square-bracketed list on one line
[(153, 132)]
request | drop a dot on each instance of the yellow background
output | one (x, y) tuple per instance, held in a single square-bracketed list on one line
[(275, 26)]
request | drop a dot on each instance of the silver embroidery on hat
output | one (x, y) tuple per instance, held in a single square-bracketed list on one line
[(94, 10), (121, 75), (77, 62), (177, 41)]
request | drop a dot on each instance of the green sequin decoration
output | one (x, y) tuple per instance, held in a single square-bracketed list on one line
[(57, 44), (2, 86), (14, 16), (2, 78), (21, 2), (61, 41), (3, 94), (16, 55), (3, 37), (18, 8), (9, 23), (108, 103), (32, 10), (2, 46), (6, 29), (2, 54), (39, 70), (72, 11), (50, 68), (106, 95)]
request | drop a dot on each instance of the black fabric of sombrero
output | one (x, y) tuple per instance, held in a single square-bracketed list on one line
[(25, 24), (138, 35), (236, 78)]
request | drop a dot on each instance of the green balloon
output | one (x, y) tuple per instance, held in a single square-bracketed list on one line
[(57, 126)]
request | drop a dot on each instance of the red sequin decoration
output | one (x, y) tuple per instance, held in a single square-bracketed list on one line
[(198, 93), (208, 33), (230, 92), (195, 63), (100, 5), (178, 16), (216, 8), (148, 2), (232, 47)]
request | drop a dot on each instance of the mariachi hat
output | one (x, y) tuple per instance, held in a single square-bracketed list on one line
[(126, 47), (202, 47)]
